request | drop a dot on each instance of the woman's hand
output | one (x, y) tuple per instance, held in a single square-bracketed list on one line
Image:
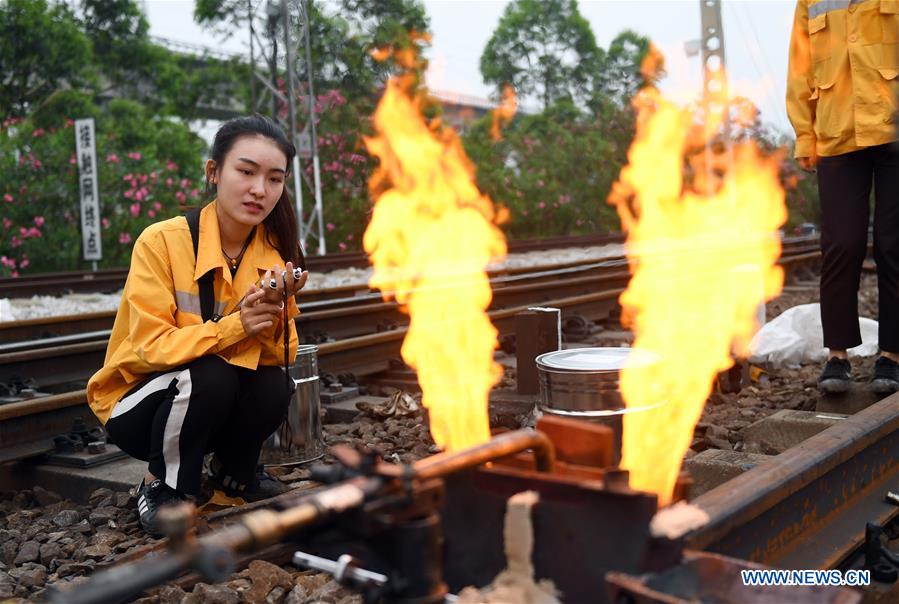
[(808, 163), (275, 294), (256, 313)]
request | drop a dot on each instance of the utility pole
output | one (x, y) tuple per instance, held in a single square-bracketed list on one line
[(715, 100), (289, 19), (714, 76)]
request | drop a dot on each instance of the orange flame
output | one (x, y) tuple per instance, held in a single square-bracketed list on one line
[(702, 261), (504, 113), (431, 236)]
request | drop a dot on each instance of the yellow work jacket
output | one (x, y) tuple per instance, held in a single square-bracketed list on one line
[(159, 326), (842, 83)]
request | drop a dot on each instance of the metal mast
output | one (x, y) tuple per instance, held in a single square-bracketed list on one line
[(714, 76), (281, 87)]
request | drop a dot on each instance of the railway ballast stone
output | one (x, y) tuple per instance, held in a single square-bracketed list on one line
[(30, 551), (97, 552), (8, 551), (265, 576), (67, 518), (103, 515), (44, 497), (276, 596), (297, 595), (211, 594), (50, 552), (30, 576)]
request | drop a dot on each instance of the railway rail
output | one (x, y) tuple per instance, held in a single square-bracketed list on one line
[(113, 279)]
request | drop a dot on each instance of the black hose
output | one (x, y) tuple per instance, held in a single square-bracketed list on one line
[(123, 583)]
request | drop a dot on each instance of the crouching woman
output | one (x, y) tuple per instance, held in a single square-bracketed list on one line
[(174, 387)]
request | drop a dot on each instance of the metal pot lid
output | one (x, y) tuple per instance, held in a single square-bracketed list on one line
[(595, 359)]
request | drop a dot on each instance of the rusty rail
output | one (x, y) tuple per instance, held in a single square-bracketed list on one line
[(807, 507)]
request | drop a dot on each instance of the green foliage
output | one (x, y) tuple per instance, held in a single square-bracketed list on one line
[(146, 167), (347, 37), (105, 52), (543, 48), (41, 49), (619, 78), (118, 32), (221, 15), (553, 171), (343, 35)]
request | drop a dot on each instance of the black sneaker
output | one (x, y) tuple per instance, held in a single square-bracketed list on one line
[(263, 486), (150, 498), (836, 376), (886, 376)]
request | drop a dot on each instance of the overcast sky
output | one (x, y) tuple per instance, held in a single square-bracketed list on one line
[(756, 32)]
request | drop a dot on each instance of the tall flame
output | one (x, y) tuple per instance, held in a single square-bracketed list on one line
[(702, 261), (431, 236)]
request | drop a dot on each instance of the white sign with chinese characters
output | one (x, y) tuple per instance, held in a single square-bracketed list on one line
[(86, 152)]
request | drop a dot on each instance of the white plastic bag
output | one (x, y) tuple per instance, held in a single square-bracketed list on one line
[(795, 337)]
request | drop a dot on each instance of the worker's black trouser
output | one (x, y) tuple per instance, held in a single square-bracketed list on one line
[(173, 418), (844, 186)]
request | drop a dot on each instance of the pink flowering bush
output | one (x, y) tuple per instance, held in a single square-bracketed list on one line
[(552, 171), (345, 168), (148, 169)]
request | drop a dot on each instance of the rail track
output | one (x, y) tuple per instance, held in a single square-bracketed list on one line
[(361, 336), (113, 279), (67, 349)]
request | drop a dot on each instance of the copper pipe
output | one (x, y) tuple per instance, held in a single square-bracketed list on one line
[(262, 527), (499, 446)]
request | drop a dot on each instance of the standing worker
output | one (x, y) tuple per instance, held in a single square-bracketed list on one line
[(842, 101), (176, 385)]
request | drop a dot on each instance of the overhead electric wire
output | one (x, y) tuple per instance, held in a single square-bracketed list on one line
[(781, 106)]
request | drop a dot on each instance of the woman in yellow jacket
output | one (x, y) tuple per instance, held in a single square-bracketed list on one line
[(842, 101), (173, 387)]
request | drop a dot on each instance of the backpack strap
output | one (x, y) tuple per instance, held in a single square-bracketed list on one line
[(207, 292)]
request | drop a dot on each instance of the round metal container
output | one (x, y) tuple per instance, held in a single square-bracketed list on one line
[(582, 383), (299, 438)]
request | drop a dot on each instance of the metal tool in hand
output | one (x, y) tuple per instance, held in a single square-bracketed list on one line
[(272, 284)]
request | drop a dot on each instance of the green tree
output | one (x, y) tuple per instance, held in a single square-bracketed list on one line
[(42, 48), (119, 34), (620, 77), (342, 37), (134, 67), (553, 171), (545, 49)]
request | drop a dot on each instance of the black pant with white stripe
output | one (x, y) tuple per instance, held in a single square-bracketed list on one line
[(173, 418)]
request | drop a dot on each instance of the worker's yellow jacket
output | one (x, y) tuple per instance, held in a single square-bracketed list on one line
[(842, 84), (158, 325)]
